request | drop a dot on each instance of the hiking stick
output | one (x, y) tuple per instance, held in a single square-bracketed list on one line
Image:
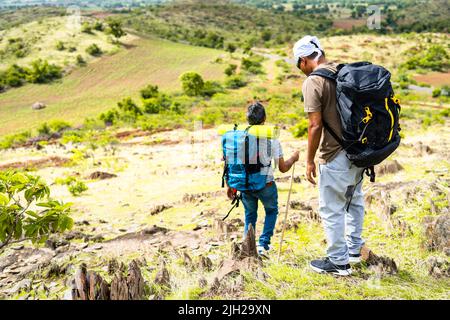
[(286, 213)]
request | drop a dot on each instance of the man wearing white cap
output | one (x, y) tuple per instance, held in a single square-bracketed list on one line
[(337, 174)]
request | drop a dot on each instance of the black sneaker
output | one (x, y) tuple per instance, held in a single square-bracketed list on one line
[(354, 258), (326, 266)]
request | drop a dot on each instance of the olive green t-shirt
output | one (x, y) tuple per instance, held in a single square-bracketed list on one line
[(320, 96)]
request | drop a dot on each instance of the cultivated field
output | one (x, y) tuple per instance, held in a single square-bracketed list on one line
[(89, 90)]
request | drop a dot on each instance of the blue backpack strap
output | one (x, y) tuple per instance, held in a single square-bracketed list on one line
[(225, 166), (247, 156)]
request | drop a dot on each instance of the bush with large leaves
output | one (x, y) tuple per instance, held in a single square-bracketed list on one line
[(26, 210)]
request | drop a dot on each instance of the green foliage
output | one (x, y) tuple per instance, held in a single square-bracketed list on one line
[(435, 58), (14, 76), (16, 47), (18, 221), (431, 120), (235, 82), (436, 92), (14, 140), (231, 47), (192, 84), (110, 117), (149, 91), (300, 130), (252, 64), (43, 72), (231, 69), (44, 129), (60, 46), (115, 29), (210, 88), (129, 108), (80, 60), (94, 50), (86, 28), (98, 26), (76, 188)]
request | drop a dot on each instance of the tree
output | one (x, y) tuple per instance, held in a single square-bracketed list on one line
[(17, 221), (115, 28), (192, 84)]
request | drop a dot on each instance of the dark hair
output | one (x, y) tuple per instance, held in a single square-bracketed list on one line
[(312, 56), (256, 114)]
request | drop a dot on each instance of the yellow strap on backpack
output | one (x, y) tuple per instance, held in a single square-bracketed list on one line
[(262, 131)]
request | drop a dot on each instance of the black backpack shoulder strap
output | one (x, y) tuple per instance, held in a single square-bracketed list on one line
[(324, 73), (328, 74)]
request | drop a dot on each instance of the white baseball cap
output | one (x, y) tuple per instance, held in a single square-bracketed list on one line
[(307, 46)]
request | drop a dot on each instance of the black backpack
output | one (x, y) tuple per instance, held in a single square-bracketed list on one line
[(368, 110)]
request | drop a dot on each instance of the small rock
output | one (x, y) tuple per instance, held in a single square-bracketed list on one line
[(38, 106), (19, 247), (25, 284)]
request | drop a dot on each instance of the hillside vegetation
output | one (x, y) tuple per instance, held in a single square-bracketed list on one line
[(127, 144), (222, 25)]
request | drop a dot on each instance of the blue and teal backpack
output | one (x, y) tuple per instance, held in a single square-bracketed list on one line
[(241, 154)]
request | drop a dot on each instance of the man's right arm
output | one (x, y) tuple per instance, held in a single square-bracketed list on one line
[(314, 135)]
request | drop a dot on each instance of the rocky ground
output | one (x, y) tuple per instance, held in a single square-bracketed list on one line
[(150, 226)]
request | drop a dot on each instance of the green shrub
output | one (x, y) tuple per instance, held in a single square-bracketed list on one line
[(86, 28), (432, 120), (231, 69), (149, 91), (60, 46), (42, 72), (436, 92), (80, 60), (59, 125), (212, 116), (73, 136), (192, 83), (44, 129), (14, 76), (14, 140), (252, 64), (110, 117), (76, 188), (129, 108), (210, 88), (157, 104), (445, 113), (98, 25), (235, 82), (434, 58), (300, 130), (94, 50)]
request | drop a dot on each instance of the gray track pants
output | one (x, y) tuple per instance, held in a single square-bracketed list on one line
[(343, 228)]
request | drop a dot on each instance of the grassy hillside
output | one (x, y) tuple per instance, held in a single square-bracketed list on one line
[(10, 18), (39, 39), (217, 24), (90, 90)]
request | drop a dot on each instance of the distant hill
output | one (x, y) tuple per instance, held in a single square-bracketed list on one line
[(221, 24)]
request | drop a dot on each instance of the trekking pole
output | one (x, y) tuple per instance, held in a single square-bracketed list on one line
[(286, 213)]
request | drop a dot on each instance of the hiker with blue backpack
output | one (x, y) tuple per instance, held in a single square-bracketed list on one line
[(248, 152), (353, 122)]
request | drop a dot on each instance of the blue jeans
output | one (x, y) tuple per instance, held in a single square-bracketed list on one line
[(343, 227), (269, 199)]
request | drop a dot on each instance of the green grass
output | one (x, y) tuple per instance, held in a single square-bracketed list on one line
[(89, 90)]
